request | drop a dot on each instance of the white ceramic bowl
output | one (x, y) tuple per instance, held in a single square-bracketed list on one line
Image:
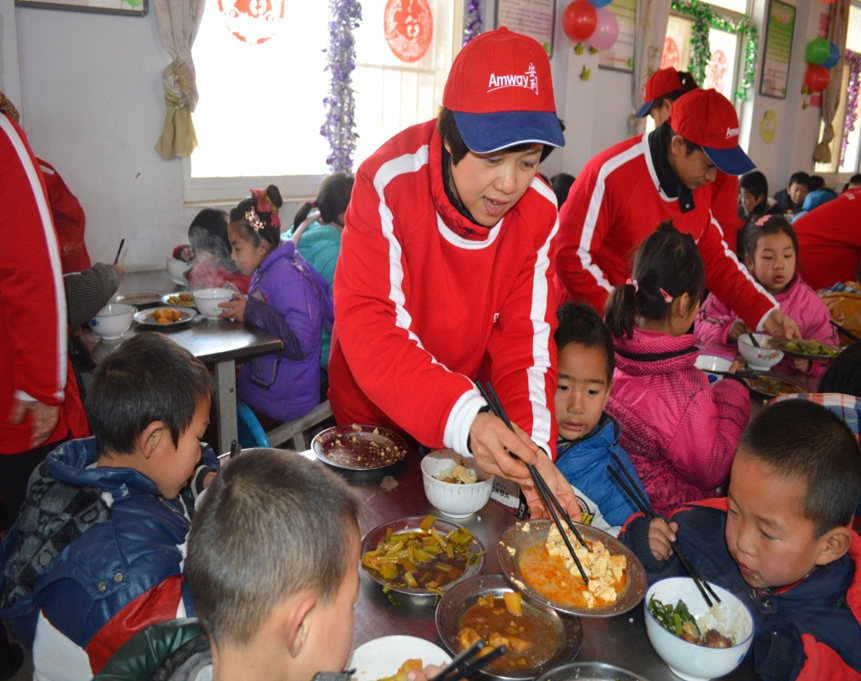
[(451, 499), (113, 320), (710, 363), (687, 660), (207, 300), (177, 268), (761, 358)]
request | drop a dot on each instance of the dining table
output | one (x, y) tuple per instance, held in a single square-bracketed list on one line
[(398, 492), (215, 342)]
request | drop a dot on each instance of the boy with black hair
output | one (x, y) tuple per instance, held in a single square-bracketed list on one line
[(273, 558), (791, 199), (781, 541), (97, 552), (588, 436)]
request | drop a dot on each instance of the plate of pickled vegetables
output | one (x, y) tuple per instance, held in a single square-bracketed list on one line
[(420, 556), (806, 349)]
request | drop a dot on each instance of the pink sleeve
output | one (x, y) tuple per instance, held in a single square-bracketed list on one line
[(815, 321), (713, 322), (703, 448)]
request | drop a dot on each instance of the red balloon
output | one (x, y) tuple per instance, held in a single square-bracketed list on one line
[(816, 78), (579, 20)]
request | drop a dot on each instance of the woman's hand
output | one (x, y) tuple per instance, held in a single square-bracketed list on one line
[(661, 533), (234, 309), (492, 444), (560, 487), (780, 325)]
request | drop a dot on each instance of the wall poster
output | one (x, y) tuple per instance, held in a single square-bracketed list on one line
[(534, 18), (778, 48)]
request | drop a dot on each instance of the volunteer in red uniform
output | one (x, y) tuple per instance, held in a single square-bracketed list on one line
[(444, 276), (663, 88), (829, 241), (625, 192)]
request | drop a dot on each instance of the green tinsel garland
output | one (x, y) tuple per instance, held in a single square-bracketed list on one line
[(704, 17)]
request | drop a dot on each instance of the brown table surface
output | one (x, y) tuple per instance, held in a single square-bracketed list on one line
[(619, 640)]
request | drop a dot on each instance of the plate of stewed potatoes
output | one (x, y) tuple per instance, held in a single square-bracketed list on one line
[(165, 317)]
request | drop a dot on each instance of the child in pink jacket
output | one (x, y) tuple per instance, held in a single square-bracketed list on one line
[(771, 255), (679, 431)]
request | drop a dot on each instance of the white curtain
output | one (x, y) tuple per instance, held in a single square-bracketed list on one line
[(651, 30), (178, 22), (837, 26)]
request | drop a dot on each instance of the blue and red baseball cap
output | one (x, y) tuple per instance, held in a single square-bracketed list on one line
[(500, 91), (708, 119), (661, 83)]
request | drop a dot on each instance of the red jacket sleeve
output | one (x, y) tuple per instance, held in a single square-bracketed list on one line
[(583, 224), (730, 281), (822, 662), (30, 274)]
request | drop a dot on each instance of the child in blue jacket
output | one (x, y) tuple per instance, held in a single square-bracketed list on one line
[(588, 437)]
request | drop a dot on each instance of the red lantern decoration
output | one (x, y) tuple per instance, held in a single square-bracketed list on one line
[(579, 20), (816, 78)]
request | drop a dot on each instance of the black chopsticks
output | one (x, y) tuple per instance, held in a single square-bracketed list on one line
[(846, 332), (630, 487), (119, 250), (469, 662), (547, 495)]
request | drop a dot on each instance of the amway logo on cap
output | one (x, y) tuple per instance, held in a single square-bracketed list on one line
[(731, 132), (528, 80)]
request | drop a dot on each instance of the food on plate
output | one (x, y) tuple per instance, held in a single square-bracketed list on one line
[(185, 298), (531, 640), (773, 386), (809, 347), (422, 558), (412, 665), (459, 475), (678, 620), (166, 315), (549, 569)]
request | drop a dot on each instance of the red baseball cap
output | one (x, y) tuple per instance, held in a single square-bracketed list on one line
[(661, 83), (708, 119), (501, 93)]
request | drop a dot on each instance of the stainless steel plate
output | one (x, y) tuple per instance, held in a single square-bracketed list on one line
[(465, 594), (359, 448), (139, 299), (474, 566), (591, 671), (521, 536), (789, 348)]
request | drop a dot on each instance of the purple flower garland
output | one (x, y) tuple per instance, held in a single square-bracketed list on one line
[(474, 22), (339, 128), (853, 60)]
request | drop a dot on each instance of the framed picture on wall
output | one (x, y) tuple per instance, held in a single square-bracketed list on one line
[(132, 8), (780, 26), (534, 18)]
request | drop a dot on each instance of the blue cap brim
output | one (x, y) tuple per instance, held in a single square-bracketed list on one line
[(732, 161), (644, 110), (485, 133)]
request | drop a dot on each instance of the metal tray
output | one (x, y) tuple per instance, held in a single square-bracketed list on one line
[(359, 448)]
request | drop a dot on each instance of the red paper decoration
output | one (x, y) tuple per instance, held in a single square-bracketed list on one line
[(408, 27), (252, 21)]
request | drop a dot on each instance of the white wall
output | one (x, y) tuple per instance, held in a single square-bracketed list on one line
[(91, 103)]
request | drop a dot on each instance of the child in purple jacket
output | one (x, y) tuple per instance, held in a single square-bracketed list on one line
[(679, 431), (287, 298), (771, 255)]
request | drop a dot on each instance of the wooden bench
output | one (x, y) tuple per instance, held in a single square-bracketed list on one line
[(294, 431)]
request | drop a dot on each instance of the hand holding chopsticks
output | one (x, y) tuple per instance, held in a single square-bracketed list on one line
[(627, 483), (468, 664), (550, 501)]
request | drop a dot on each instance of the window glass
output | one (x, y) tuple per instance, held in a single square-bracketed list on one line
[(737, 6), (852, 157)]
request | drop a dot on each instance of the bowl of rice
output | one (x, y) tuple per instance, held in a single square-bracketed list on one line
[(454, 485)]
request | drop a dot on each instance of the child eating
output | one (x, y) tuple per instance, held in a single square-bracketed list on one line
[(771, 255), (287, 298), (680, 432), (273, 560), (780, 541), (97, 552), (588, 437)]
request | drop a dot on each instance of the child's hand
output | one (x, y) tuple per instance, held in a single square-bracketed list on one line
[(661, 534), (738, 327), (802, 365), (735, 367), (427, 673), (234, 309)]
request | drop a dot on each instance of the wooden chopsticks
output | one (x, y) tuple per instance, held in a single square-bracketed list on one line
[(627, 483), (547, 495), (468, 664)]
